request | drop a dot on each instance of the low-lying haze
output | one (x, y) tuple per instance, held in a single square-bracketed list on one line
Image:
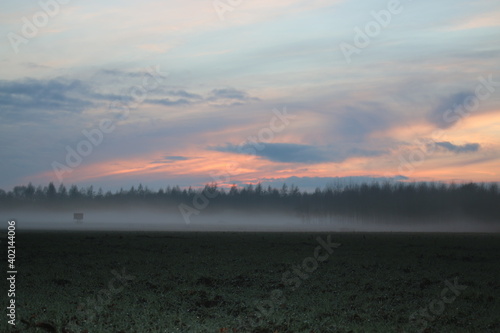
[(148, 220)]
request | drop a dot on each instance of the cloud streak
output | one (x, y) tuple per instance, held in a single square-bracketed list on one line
[(59, 94), (40, 98), (466, 148), (296, 153)]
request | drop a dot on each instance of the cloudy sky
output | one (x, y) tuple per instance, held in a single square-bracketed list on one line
[(117, 93)]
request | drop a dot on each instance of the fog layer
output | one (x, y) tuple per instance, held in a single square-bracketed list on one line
[(147, 220)]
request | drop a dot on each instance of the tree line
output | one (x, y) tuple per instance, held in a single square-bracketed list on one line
[(375, 200)]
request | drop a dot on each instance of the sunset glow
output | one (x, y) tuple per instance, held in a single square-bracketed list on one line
[(180, 93)]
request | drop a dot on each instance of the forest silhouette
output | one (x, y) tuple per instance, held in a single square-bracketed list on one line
[(414, 201)]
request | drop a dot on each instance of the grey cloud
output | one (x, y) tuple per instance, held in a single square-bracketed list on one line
[(120, 73), (356, 123), (37, 99), (218, 97), (295, 153), (278, 152), (186, 98), (229, 97), (445, 115), (466, 148), (185, 94), (20, 98), (289, 152), (229, 93), (170, 159), (168, 102), (176, 158)]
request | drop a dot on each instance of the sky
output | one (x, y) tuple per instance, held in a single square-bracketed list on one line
[(117, 93)]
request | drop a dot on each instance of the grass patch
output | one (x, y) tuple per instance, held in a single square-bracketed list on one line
[(233, 282)]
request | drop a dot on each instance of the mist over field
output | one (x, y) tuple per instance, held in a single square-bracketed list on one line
[(151, 220), (423, 207)]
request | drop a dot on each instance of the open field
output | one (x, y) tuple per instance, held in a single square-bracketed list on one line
[(256, 282)]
